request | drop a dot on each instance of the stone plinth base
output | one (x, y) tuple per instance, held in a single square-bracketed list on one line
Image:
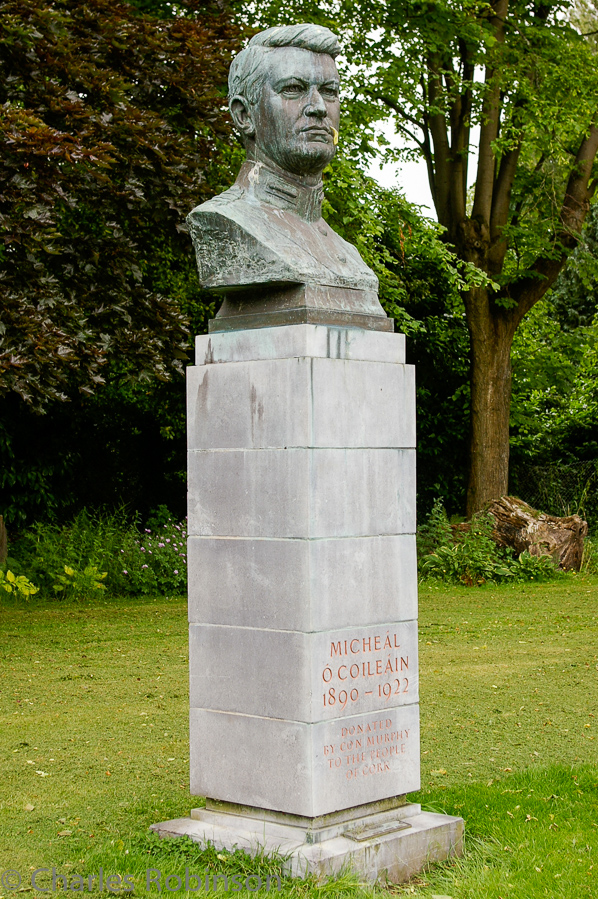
[(389, 844)]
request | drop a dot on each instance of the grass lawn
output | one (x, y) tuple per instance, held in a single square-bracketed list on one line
[(94, 741)]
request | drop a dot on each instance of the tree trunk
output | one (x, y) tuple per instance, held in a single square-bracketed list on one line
[(491, 335)]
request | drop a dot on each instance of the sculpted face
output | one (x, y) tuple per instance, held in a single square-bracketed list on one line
[(296, 118)]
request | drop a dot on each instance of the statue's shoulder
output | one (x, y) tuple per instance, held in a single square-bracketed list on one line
[(220, 204), (233, 242), (231, 213)]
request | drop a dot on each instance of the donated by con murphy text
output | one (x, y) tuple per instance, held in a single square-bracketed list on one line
[(48, 880)]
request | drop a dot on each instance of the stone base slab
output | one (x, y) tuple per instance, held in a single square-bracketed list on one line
[(298, 341), (302, 315), (393, 844)]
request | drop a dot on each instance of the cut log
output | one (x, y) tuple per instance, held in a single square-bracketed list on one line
[(521, 528)]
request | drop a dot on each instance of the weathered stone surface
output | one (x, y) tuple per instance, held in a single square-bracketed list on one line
[(304, 769), (371, 579), (403, 841), (249, 582), (314, 304), (250, 671), (314, 829), (302, 568), (302, 584), (264, 762), (365, 669), (301, 492), (292, 341), (521, 528), (247, 405)]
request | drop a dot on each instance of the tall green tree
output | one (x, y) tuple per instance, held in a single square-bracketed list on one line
[(112, 120), (516, 82)]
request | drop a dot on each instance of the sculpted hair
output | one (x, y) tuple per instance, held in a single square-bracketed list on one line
[(246, 73)]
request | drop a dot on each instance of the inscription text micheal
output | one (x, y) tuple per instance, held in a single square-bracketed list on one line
[(369, 671)]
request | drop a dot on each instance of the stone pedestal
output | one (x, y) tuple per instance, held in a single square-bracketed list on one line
[(303, 600)]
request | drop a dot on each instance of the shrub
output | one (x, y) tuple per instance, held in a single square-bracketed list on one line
[(436, 532), (80, 583), (104, 552), (17, 584), (474, 558), (155, 561), (589, 562)]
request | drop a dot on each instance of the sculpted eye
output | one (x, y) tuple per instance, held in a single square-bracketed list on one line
[(292, 89)]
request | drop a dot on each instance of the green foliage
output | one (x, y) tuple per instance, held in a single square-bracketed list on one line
[(533, 568), (418, 65), (560, 488), (104, 552), (440, 353), (80, 583), (112, 126), (473, 558), (17, 584), (420, 284), (589, 562), (156, 560), (435, 532), (554, 415), (554, 410), (574, 297), (131, 436), (406, 250)]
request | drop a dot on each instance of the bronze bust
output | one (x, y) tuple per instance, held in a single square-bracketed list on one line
[(263, 243)]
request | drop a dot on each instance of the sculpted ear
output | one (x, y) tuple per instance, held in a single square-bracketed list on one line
[(242, 115)]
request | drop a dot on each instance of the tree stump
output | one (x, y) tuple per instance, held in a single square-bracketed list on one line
[(521, 528)]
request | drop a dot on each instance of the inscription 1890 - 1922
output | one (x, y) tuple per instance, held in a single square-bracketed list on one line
[(372, 667)]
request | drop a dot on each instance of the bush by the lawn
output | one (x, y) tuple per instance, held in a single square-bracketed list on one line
[(103, 552)]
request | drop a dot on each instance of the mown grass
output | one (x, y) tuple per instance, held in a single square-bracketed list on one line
[(94, 740)]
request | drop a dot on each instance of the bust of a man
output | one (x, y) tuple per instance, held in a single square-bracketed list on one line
[(263, 243)]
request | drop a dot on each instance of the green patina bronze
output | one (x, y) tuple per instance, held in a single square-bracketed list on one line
[(263, 243)]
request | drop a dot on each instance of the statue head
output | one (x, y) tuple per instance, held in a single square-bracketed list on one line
[(284, 97)]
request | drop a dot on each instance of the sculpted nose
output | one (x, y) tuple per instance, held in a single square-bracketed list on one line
[(315, 105)]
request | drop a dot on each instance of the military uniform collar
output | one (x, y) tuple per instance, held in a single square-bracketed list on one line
[(272, 185)]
